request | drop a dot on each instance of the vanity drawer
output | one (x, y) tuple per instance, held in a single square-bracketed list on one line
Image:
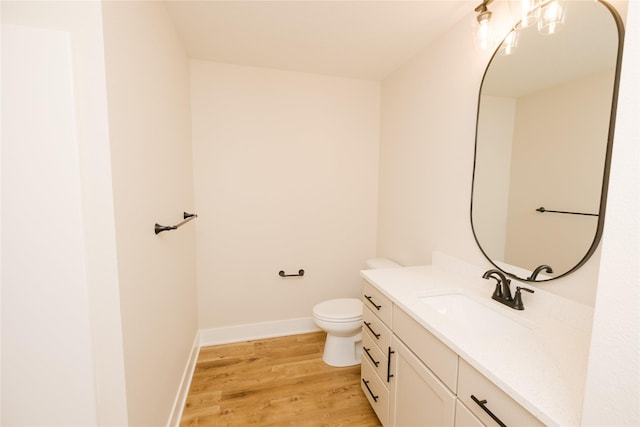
[(377, 302), (430, 350), (378, 332), (377, 358), (507, 410), (376, 392)]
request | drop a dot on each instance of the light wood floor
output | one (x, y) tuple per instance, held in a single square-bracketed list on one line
[(275, 382)]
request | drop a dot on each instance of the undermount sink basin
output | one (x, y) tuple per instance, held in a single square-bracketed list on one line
[(470, 314)]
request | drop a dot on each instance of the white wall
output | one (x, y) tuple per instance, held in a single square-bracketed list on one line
[(44, 308), (428, 121), (148, 97), (613, 390), (74, 317), (285, 169)]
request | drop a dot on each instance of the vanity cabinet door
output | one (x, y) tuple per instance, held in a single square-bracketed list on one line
[(418, 398), (465, 418)]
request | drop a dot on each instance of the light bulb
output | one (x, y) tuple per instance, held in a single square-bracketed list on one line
[(484, 31), (530, 13), (483, 34), (551, 17), (509, 44)]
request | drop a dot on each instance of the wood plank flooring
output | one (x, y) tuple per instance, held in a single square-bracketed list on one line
[(275, 382)]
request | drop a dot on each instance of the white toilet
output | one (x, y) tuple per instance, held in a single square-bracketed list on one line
[(341, 319)]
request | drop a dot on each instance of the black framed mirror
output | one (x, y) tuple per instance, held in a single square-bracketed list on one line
[(544, 134)]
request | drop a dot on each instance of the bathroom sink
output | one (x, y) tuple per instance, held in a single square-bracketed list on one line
[(469, 313)]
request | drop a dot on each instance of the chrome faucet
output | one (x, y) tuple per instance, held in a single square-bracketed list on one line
[(543, 267), (502, 293)]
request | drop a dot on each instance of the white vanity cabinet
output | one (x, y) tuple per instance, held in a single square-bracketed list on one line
[(411, 378), (398, 385)]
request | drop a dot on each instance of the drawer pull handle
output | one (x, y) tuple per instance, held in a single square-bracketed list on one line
[(375, 362), (368, 297), (482, 404), (389, 374), (366, 384), (368, 325)]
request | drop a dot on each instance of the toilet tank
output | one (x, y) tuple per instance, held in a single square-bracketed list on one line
[(378, 263)]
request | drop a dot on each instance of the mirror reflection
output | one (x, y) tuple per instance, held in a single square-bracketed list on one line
[(543, 137)]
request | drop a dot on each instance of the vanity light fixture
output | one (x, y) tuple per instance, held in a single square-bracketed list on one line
[(549, 14), (483, 18)]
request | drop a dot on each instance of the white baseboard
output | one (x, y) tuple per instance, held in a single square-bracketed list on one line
[(239, 333), (185, 384)]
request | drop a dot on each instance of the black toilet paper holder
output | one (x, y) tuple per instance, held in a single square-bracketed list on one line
[(300, 274)]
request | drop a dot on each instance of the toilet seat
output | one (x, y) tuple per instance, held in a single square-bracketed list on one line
[(339, 310)]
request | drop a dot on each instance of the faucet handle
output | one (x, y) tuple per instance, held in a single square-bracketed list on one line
[(517, 299)]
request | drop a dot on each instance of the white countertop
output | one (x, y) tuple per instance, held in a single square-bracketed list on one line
[(541, 366)]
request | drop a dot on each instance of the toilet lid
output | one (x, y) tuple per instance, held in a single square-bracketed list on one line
[(341, 309)]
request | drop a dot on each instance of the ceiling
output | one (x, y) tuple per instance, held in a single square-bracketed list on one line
[(357, 39)]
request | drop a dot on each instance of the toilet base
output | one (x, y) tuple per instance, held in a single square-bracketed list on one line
[(342, 351)]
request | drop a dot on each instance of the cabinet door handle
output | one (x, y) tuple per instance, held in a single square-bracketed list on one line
[(375, 362), (369, 298), (389, 374), (366, 384), (482, 404), (368, 325)]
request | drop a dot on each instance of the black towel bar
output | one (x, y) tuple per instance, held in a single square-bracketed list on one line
[(541, 209), (186, 216)]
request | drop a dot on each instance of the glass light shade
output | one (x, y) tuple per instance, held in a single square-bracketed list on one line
[(530, 13), (509, 43), (483, 34), (551, 17)]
